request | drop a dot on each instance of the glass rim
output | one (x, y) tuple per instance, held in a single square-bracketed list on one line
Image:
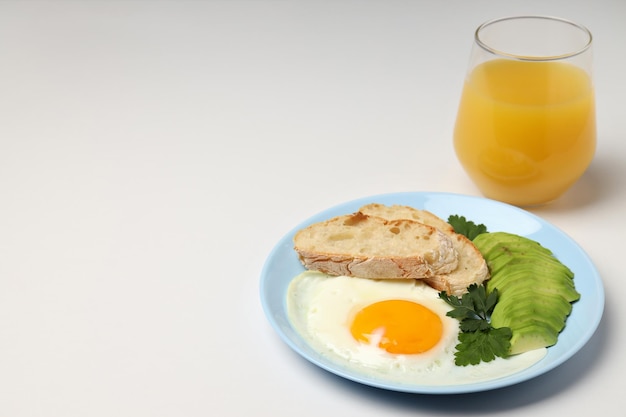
[(567, 55)]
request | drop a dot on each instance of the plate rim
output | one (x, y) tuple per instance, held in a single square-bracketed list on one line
[(336, 369)]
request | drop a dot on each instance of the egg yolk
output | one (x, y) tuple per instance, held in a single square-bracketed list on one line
[(403, 327)]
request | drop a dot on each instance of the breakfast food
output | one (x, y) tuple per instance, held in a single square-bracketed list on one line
[(353, 322), (372, 247), (471, 269), (536, 290), (396, 289), (388, 242)]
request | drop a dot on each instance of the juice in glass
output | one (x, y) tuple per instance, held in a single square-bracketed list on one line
[(525, 131)]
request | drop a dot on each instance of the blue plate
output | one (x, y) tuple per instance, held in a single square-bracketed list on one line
[(283, 265)]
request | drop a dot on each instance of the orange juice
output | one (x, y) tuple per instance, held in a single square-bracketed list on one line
[(525, 130)]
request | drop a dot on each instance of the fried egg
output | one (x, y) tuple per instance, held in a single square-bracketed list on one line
[(396, 330)]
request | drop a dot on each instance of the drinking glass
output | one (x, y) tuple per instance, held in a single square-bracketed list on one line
[(526, 130)]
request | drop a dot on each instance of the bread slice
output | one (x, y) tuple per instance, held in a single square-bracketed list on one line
[(472, 268), (372, 247)]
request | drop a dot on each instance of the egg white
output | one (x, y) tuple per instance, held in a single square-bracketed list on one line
[(321, 307)]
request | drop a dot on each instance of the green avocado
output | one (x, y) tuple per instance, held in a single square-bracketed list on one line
[(531, 300), (497, 244), (516, 280), (550, 322), (538, 261), (516, 316), (532, 337), (529, 269), (539, 286), (535, 289)]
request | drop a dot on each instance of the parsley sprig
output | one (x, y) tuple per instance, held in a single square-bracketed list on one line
[(466, 227), (478, 341)]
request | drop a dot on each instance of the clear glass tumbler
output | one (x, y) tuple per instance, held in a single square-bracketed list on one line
[(526, 129)]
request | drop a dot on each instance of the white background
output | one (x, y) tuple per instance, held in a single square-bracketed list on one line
[(153, 152)]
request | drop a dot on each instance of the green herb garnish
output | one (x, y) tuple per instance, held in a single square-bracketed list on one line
[(465, 227), (478, 341)]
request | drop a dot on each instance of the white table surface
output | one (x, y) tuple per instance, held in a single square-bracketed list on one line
[(152, 153)]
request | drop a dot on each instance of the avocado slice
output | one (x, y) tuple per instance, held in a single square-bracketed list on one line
[(517, 316), (530, 299), (496, 244), (554, 276), (532, 337), (517, 271), (538, 285), (520, 261)]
